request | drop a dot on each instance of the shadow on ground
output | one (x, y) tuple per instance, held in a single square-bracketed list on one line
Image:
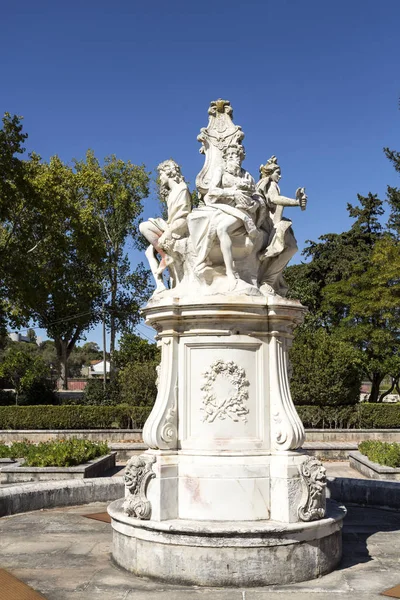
[(360, 530)]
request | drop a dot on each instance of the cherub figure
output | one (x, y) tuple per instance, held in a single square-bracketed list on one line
[(281, 243), (162, 234)]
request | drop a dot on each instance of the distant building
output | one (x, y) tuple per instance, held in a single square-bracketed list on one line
[(96, 369), (18, 337)]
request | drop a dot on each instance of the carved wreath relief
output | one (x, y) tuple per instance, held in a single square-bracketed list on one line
[(138, 473), (313, 504), (233, 406)]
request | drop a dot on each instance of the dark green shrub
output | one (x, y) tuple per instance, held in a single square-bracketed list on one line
[(361, 416), (383, 453), (137, 383), (40, 392), (326, 371), (380, 416), (7, 398), (96, 395), (73, 417), (64, 453)]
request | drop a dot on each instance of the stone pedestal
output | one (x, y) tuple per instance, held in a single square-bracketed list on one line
[(224, 479)]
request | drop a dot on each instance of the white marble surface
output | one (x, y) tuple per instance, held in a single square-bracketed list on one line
[(237, 240), (224, 397), (235, 553)]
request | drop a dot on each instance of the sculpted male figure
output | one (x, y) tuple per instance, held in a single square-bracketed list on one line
[(232, 196), (162, 234)]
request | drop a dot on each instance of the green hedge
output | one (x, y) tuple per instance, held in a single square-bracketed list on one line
[(73, 417), (361, 416)]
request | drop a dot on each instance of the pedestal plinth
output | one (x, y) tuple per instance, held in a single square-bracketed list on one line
[(224, 479), (239, 553)]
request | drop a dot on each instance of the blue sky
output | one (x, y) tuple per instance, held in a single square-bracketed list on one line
[(315, 82)]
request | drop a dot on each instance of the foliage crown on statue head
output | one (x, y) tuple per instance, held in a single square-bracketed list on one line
[(171, 169), (270, 167), (238, 148)]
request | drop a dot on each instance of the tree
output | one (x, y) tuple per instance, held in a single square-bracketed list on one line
[(13, 183), (57, 261), (82, 356), (137, 362), (334, 256), (23, 368), (372, 320), (326, 370), (15, 197), (115, 191), (137, 383), (134, 349), (31, 335), (393, 197), (351, 286)]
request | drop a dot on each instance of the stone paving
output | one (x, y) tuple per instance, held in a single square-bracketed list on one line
[(65, 556)]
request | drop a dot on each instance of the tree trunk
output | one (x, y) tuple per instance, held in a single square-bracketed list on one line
[(376, 382), (113, 327), (389, 391), (63, 358), (64, 349)]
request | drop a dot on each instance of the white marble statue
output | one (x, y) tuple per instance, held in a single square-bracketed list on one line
[(281, 243), (224, 495), (237, 241), (234, 207), (162, 234)]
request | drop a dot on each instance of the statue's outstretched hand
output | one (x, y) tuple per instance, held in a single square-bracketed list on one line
[(301, 197)]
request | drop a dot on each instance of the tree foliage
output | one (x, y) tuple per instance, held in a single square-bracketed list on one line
[(115, 192), (134, 349), (326, 370), (61, 286), (63, 233), (25, 369), (351, 286)]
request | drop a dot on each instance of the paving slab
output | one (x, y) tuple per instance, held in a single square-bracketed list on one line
[(65, 556)]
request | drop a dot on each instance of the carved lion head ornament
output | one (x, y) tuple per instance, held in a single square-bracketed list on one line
[(313, 474)]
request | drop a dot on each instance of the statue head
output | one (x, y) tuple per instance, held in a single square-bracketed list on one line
[(233, 157), (271, 170), (314, 470), (168, 170)]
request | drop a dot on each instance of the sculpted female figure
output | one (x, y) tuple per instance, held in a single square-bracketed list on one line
[(162, 234), (281, 243)]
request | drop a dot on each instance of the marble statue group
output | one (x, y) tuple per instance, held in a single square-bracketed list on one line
[(236, 241), (224, 495)]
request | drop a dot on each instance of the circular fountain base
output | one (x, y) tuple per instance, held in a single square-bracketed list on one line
[(240, 553)]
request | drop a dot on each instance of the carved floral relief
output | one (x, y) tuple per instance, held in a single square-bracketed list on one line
[(234, 405)]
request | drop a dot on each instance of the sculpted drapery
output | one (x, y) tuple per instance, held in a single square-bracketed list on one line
[(236, 241)]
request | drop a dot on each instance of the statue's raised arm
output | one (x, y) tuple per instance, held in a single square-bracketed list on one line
[(281, 243)]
